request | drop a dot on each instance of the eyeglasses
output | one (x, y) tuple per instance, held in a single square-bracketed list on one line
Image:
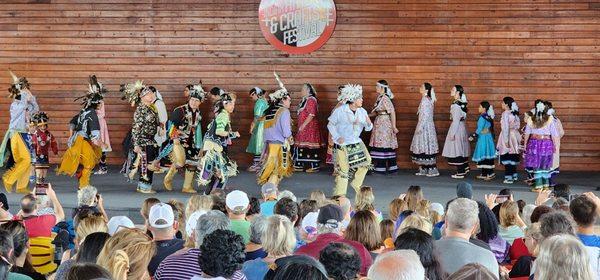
[(5, 260)]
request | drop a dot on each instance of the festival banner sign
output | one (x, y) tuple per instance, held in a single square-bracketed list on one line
[(297, 26)]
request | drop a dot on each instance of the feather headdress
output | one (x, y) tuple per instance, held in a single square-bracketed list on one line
[(95, 93), (17, 85), (281, 93), (131, 92), (196, 91), (350, 92)]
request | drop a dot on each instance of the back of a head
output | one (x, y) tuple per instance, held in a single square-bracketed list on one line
[(561, 204), (209, 222), (397, 206), (300, 268), (287, 207), (28, 204), (91, 247), (307, 206), (287, 194), (556, 222), (89, 225), (19, 236), (319, 197), (365, 199), (126, 254), (584, 211), (279, 238), (462, 215), (87, 271), (341, 261), (417, 221), (488, 225), (422, 243), (509, 211), (6, 246), (414, 194), (198, 202), (147, 204), (472, 271), (538, 212), (563, 255), (363, 228), (527, 211), (258, 227), (222, 253), (562, 190), (398, 265)]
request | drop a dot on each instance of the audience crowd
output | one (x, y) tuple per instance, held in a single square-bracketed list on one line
[(234, 236)]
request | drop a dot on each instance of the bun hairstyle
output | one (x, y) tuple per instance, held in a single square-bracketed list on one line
[(462, 98), (430, 91), (311, 89), (489, 114), (216, 91), (126, 254), (512, 105), (550, 108), (258, 91), (386, 88)]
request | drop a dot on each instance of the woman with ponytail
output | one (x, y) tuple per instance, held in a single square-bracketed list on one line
[(384, 142), (456, 147), (541, 142), (424, 147), (308, 138), (127, 254), (485, 150), (509, 139)]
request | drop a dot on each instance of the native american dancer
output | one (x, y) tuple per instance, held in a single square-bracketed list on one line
[(307, 142), (509, 140), (255, 146), (424, 146), (485, 150), (42, 142), (541, 143), (456, 147), (384, 142)]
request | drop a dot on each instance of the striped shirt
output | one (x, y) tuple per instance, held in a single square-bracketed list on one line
[(184, 266)]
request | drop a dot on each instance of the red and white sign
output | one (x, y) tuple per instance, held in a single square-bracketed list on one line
[(297, 26)]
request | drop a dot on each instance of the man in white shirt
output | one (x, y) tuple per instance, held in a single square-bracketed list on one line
[(346, 123)]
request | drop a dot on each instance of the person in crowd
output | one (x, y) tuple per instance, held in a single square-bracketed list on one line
[(384, 142), (346, 123), (126, 255), (386, 227), (341, 261), (456, 147), (298, 268), (397, 206), (414, 220), (413, 197), (565, 256), (22, 257), (87, 253), (145, 211), (253, 209), (364, 229), (7, 258), (454, 249), (472, 271), (184, 265), (278, 241), (511, 225), (163, 225), (277, 161), (185, 139), (222, 255), (365, 200), (256, 143), (237, 203), (422, 243), (269, 195), (464, 189), (329, 230), (585, 212), (87, 271), (488, 233), (346, 206), (179, 212), (436, 216), (509, 139), (215, 167), (40, 225), (399, 264), (308, 140), (117, 223), (526, 215), (319, 197), (288, 194), (287, 207), (522, 265), (424, 146), (254, 248), (89, 198), (84, 226), (485, 150)]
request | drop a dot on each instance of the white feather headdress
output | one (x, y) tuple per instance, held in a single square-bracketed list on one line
[(281, 93), (131, 92), (350, 92), (197, 92)]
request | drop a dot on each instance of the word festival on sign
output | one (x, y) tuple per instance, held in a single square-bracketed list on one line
[(300, 24)]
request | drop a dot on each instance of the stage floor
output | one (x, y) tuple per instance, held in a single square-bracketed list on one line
[(121, 199)]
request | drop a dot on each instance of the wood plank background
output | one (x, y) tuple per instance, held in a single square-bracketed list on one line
[(527, 49)]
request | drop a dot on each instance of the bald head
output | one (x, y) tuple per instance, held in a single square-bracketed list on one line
[(399, 264), (345, 204)]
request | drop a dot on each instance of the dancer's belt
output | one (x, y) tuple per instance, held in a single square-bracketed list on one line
[(485, 131), (382, 113), (356, 153), (540, 136)]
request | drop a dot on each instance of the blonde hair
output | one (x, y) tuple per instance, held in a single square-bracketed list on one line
[(414, 194), (423, 208), (563, 257), (415, 221), (319, 197), (364, 199), (534, 232), (364, 229), (397, 206), (509, 211), (126, 254), (89, 225), (198, 202), (279, 238), (146, 205)]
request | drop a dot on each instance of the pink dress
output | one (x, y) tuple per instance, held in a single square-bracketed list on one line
[(383, 135), (104, 138)]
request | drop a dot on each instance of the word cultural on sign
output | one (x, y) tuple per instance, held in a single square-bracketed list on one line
[(297, 26)]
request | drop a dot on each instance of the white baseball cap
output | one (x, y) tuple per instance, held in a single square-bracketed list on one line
[(309, 222), (117, 223), (190, 224), (437, 208), (161, 216), (236, 200)]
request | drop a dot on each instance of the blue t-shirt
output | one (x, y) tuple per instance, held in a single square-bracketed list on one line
[(267, 208), (590, 240), (255, 269)]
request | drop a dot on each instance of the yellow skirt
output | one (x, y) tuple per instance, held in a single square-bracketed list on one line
[(278, 162), (82, 152)]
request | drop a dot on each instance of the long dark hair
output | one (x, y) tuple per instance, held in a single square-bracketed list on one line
[(486, 105), (311, 89), (461, 92), (422, 243), (509, 102), (91, 247), (488, 224), (428, 88)]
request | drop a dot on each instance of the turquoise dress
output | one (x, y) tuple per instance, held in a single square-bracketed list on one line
[(485, 148), (256, 144)]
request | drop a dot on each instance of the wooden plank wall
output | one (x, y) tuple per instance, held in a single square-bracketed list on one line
[(527, 49)]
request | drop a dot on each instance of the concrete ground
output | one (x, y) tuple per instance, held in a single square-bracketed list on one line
[(121, 199)]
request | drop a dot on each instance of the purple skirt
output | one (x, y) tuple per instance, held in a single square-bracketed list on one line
[(539, 154)]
